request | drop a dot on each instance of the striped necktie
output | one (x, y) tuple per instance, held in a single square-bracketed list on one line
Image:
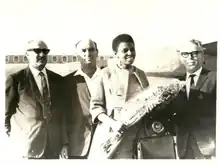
[(46, 98)]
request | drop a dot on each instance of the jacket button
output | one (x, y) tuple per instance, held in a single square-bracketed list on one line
[(157, 127)]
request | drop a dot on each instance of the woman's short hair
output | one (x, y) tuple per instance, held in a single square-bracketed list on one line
[(119, 39)]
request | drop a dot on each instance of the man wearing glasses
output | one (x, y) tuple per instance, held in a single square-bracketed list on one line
[(33, 114), (196, 106)]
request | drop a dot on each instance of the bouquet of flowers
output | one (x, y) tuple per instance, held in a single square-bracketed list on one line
[(136, 107)]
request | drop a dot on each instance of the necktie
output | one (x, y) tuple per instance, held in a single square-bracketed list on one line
[(46, 98), (192, 85), (192, 82)]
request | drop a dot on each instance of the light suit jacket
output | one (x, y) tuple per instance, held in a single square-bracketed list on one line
[(110, 91)]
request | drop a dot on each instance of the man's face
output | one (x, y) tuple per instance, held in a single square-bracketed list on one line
[(192, 57), (126, 53), (87, 52), (37, 54)]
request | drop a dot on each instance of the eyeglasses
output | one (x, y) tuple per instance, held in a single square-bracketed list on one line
[(193, 54), (38, 51)]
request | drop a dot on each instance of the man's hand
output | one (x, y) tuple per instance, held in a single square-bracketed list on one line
[(64, 152)]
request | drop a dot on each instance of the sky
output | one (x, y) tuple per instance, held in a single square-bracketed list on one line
[(61, 23)]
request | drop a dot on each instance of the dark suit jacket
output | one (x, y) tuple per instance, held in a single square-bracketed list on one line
[(23, 114), (80, 127), (196, 117)]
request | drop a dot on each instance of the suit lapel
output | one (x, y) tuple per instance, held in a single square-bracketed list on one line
[(202, 78), (138, 75), (52, 85)]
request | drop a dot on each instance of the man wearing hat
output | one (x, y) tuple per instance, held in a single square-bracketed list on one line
[(33, 108), (195, 106)]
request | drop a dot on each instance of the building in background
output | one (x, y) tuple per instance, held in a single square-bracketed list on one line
[(53, 59), (15, 59), (210, 58)]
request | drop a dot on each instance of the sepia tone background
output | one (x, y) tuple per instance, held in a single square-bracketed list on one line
[(157, 26), (156, 70)]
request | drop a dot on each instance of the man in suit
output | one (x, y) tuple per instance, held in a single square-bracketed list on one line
[(33, 108), (195, 106), (78, 87)]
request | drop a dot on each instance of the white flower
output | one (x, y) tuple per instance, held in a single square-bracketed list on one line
[(136, 107)]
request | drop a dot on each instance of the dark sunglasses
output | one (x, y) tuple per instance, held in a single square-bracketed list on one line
[(193, 54), (38, 51)]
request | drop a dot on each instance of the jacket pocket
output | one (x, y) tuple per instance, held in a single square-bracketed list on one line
[(18, 122)]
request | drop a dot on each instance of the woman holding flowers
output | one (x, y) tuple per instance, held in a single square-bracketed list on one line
[(115, 86)]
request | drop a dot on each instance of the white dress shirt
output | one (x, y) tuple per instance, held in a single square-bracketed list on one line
[(88, 80), (195, 78), (37, 78)]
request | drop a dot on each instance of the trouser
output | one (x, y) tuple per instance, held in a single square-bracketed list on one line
[(48, 152), (44, 157), (87, 154), (192, 150), (78, 157)]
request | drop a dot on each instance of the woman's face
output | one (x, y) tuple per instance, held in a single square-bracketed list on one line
[(126, 53)]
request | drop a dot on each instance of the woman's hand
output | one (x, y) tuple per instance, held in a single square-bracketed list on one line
[(116, 126)]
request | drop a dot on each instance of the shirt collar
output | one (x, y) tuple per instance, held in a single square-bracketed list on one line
[(196, 73), (36, 72), (81, 73), (131, 70)]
